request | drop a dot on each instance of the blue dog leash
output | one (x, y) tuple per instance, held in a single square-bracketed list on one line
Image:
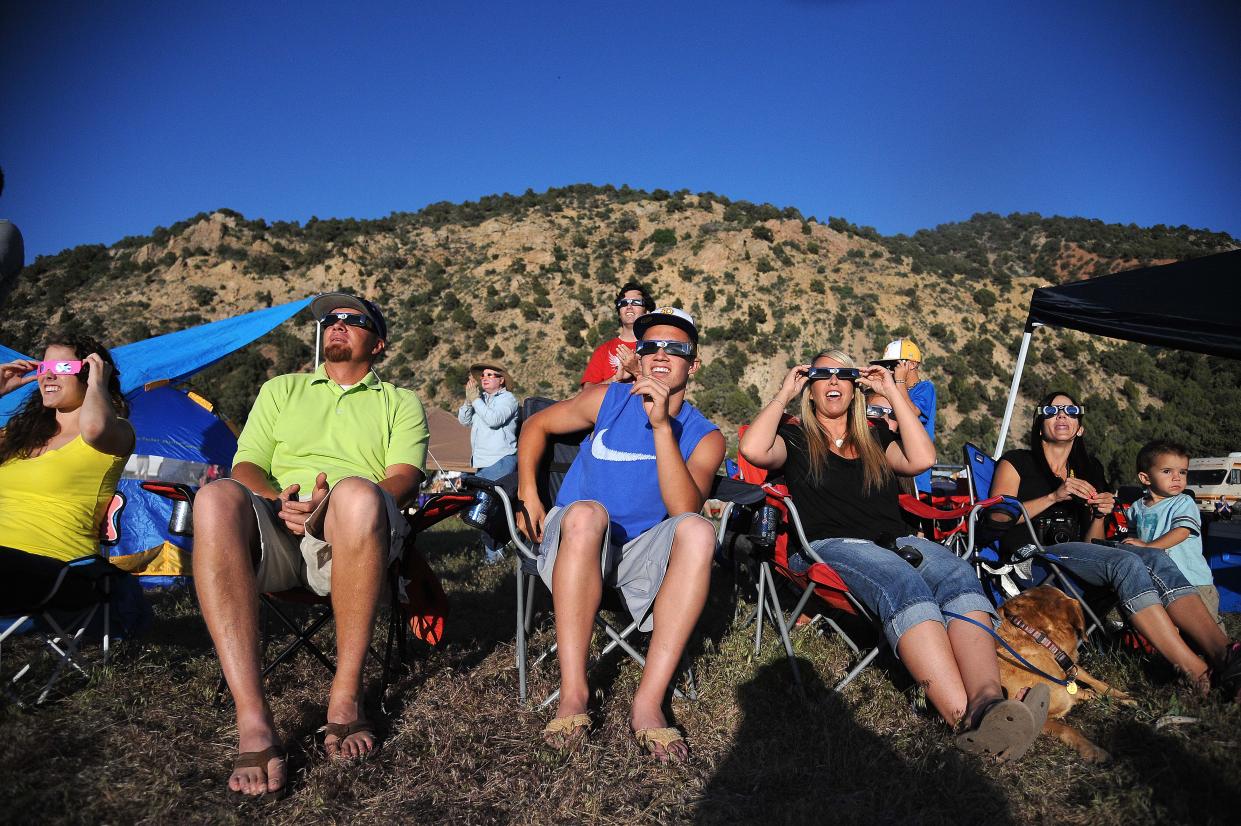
[(1069, 684)]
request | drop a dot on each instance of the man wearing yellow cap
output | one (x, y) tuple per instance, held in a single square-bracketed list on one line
[(904, 359)]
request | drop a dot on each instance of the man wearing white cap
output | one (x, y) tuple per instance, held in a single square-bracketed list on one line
[(904, 359), (626, 517)]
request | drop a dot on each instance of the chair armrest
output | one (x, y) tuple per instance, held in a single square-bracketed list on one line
[(736, 491), (169, 490)]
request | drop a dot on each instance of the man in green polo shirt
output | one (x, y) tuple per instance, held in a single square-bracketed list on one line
[(323, 467)]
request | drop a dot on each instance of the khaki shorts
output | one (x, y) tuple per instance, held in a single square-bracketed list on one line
[(637, 569), (1210, 596), (288, 561)]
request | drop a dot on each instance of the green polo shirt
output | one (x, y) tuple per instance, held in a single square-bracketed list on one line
[(304, 424)]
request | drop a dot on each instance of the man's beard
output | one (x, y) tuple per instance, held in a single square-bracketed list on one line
[(337, 352)]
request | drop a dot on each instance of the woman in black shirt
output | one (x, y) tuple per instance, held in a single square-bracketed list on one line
[(841, 474), (1067, 498)]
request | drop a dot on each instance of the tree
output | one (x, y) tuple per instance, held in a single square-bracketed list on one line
[(984, 298)]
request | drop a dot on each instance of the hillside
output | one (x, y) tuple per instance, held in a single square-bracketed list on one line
[(529, 279)]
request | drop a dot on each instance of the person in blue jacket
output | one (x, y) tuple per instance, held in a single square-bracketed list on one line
[(490, 411)]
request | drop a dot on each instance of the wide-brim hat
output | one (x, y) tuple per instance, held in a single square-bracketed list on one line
[(672, 316), (477, 369), (325, 303)]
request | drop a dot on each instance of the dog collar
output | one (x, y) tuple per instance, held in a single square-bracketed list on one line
[(1062, 659)]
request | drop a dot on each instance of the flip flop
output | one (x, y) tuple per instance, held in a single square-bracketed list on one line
[(343, 730), (649, 738), (1006, 728), (563, 732), (259, 760)]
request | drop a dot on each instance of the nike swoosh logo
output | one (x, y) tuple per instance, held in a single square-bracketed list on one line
[(606, 454)]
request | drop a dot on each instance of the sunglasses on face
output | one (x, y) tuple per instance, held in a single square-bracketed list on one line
[(875, 411), (1073, 411), (647, 347), (59, 368), (351, 319), (842, 373), (630, 302), (492, 376)]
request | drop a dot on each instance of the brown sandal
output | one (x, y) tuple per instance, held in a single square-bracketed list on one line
[(566, 732), (649, 738), (1004, 729), (343, 730), (259, 760)]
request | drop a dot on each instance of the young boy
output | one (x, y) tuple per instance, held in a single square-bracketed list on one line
[(1168, 519)]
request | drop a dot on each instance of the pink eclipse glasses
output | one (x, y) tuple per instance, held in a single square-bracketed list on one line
[(59, 368)]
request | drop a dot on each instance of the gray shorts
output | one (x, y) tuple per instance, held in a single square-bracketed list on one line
[(289, 561), (636, 569)]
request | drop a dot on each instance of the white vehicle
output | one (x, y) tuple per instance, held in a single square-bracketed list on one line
[(1209, 479)]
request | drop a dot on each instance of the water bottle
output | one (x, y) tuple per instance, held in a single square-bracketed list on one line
[(478, 513), (181, 523)]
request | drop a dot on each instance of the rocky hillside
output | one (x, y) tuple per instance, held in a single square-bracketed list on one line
[(529, 280)]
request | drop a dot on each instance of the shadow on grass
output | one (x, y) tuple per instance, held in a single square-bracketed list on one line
[(811, 762), (1185, 787)]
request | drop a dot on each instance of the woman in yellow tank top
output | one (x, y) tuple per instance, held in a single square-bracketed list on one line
[(61, 455)]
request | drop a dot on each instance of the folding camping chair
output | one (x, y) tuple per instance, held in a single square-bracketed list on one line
[(944, 521), (767, 548), (1003, 579), (65, 610), (407, 573), (502, 524), (411, 590)]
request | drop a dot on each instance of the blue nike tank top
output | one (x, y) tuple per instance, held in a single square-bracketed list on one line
[(616, 463)]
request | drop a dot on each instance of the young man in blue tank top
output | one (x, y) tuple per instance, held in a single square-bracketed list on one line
[(626, 517)]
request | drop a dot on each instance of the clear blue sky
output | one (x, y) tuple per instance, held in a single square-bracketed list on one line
[(117, 117)]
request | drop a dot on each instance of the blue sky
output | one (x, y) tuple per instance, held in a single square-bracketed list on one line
[(119, 117)]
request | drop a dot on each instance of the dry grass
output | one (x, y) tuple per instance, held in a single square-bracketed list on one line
[(143, 744)]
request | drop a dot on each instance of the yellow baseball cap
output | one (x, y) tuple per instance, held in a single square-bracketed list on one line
[(902, 348)]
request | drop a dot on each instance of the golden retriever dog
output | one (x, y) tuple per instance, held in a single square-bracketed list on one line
[(1060, 619)]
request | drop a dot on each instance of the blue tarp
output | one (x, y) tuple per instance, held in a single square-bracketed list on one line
[(174, 355)]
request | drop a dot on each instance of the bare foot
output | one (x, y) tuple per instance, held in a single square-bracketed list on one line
[(342, 712), (254, 781)]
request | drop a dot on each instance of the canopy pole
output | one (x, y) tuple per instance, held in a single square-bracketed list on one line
[(1012, 391), (318, 341)]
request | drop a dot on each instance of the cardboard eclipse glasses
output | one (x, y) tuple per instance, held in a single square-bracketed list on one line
[(61, 368), (842, 373)]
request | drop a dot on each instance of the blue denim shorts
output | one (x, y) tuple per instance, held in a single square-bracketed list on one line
[(901, 595), (1141, 577)]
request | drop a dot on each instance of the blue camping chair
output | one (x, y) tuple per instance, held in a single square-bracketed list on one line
[(991, 517)]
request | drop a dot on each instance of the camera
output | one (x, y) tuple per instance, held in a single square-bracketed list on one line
[(1056, 528)]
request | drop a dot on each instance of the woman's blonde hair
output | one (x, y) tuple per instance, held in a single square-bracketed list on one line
[(875, 469)]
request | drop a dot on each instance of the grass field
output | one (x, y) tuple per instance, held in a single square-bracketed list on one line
[(142, 742)]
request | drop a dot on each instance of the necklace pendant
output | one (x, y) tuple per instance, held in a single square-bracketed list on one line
[(839, 442)]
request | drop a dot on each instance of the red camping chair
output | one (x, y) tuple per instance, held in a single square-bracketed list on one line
[(771, 556), (943, 518), (417, 603)]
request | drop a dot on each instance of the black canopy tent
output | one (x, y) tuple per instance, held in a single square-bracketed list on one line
[(1188, 305)]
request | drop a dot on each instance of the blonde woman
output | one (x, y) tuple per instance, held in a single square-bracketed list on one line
[(841, 474)]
